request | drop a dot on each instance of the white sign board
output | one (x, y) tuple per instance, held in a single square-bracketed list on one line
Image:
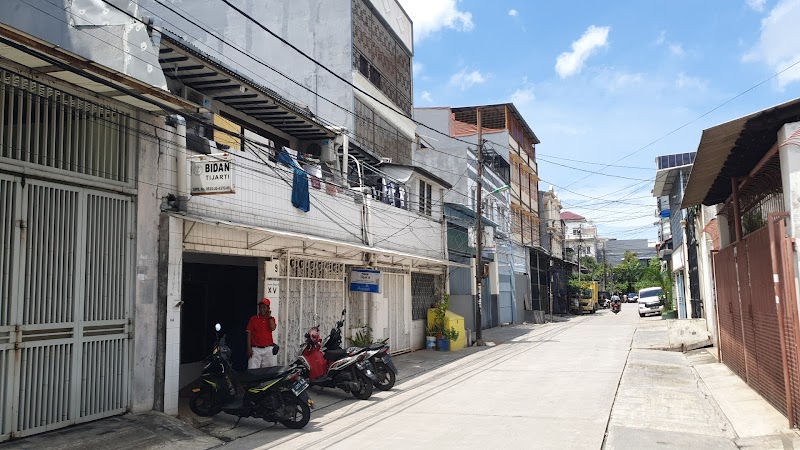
[(272, 289), (212, 176), (365, 280)]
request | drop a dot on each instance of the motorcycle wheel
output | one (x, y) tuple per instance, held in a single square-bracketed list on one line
[(296, 412), (364, 387), (205, 402), (388, 380)]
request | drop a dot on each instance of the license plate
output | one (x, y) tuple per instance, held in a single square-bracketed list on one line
[(299, 386)]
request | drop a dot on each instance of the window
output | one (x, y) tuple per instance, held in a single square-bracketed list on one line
[(425, 199)]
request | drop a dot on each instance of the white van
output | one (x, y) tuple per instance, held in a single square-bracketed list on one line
[(651, 301)]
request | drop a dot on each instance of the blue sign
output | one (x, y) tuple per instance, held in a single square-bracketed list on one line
[(365, 280)]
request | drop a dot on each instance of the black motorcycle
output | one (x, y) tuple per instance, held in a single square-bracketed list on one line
[(377, 354), (275, 394)]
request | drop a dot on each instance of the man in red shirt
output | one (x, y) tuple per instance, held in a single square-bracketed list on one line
[(259, 337)]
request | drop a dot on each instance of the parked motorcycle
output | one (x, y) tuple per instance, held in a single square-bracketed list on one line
[(377, 354), (336, 368), (275, 394)]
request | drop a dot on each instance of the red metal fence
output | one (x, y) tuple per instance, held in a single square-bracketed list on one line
[(758, 316)]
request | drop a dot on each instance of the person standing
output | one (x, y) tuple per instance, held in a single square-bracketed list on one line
[(260, 344)]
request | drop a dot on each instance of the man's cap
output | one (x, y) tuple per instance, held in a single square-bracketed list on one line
[(264, 300)]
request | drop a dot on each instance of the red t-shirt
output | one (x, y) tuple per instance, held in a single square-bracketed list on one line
[(260, 333)]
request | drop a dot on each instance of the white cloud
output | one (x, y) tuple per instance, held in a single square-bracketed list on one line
[(426, 97), (416, 68), (571, 63), (756, 5), (430, 16), (662, 37), (676, 49), (513, 12), (465, 80), (777, 47), (522, 96), (686, 82)]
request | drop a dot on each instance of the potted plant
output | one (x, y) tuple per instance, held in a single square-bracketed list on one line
[(449, 335), (362, 336), (440, 312), (430, 337)]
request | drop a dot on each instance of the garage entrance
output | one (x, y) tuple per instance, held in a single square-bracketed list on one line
[(216, 289)]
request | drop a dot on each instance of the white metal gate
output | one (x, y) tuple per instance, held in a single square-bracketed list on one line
[(311, 292), (397, 295), (65, 265)]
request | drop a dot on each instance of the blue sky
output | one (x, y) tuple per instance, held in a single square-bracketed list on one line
[(602, 81)]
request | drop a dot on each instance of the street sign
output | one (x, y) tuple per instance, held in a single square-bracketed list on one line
[(365, 280)]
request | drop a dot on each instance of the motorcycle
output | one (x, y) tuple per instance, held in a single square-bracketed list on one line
[(616, 307), (275, 394), (377, 354), (333, 367), (605, 303)]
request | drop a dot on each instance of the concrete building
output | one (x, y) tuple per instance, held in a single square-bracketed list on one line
[(81, 131), (455, 161), (671, 178), (580, 236), (553, 272), (613, 250)]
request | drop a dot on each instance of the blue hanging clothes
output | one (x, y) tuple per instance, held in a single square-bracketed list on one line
[(300, 196)]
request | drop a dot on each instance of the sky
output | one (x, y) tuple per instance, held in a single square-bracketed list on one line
[(608, 86)]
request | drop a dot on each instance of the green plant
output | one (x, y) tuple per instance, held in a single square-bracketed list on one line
[(363, 336), (440, 312), (450, 334)]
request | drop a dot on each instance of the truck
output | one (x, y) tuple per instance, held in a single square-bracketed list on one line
[(587, 300)]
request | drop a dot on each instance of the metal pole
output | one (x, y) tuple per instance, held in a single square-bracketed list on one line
[(737, 216), (479, 234), (550, 273)]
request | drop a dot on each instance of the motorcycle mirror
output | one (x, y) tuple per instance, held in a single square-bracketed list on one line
[(217, 327), (344, 311)]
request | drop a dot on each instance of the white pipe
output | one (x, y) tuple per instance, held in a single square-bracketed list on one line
[(345, 154), (181, 159)]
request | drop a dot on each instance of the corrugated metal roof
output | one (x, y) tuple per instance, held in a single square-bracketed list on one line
[(732, 149)]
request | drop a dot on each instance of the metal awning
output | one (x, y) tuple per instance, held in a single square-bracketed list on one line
[(213, 79), (308, 237), (665, 179), (46, 58), (733, 149)]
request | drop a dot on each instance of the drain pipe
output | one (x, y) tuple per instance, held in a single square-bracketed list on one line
[(181, 161)]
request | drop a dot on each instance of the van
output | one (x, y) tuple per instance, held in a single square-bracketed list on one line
[(651, 301)]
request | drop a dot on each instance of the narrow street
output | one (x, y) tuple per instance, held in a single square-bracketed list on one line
[(554, 386)]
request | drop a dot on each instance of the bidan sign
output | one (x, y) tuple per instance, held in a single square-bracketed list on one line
[(213, 176)]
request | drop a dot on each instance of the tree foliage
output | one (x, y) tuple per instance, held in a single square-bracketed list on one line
[(628, 272)]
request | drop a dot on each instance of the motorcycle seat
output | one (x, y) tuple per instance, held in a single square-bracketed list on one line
[(266, 373), (335, 354)]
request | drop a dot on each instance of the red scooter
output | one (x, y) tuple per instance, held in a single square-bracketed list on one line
[(334, 367), (616, 306)]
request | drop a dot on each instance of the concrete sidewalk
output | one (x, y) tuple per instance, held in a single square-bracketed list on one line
[(668, 399), (153, 430)]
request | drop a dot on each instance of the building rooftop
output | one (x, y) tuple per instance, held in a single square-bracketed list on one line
[(568, 215)]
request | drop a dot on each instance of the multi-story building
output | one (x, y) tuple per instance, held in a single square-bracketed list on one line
[(672, 176), (509, 151), (454, 158), (580, 236), (333, 89), (552, 271), (131, 264)]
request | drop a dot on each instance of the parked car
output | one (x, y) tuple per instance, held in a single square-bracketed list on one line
[(632, 297), (651, 301)]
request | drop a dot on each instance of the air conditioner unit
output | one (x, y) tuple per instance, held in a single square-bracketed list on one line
[(195, 97), (386, 160)]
